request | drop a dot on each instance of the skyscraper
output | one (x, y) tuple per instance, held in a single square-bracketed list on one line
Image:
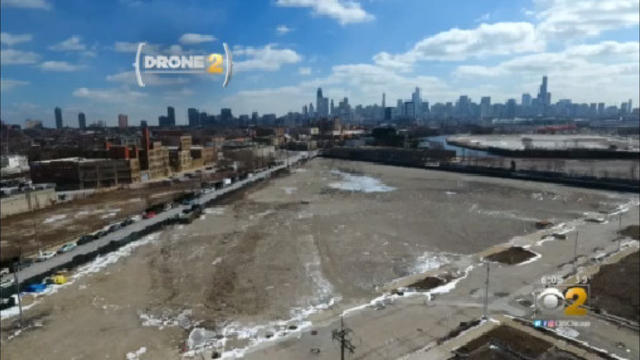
[(322, 104), (417, 103), (544, 97), (319, 101), (171, 116), (510, 111), (526, 100), (384, 99), (225, 116), (194, 117), (82, 121), (123, 121), (485, 107), (58, 113)]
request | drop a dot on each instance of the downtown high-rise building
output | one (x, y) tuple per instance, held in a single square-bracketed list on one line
[(193, 116), (526, 100), (417, 103), (485, 107), (82, 121), (58, 114), (171, 115), (123, 121), (544, 97), (322, 104)]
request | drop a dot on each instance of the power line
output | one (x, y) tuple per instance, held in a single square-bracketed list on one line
[(343, 336)]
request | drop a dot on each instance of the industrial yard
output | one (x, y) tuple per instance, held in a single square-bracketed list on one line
[(266, 260), (547, 142)]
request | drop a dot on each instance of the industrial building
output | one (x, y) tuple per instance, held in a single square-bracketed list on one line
[(81, 173)]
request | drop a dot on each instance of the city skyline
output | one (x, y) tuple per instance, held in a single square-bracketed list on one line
[(415, 108), (499, 49)]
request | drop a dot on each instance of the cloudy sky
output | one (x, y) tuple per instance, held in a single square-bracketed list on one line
[(77, 54)]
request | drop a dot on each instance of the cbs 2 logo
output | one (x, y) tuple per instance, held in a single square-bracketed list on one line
[(553, 300)]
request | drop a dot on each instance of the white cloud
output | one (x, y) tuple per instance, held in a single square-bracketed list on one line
[(599, 59), (190, 38), (27, 4), (129, 78), (267, 58), (114, 95), (456, 44), (345, 12), (124, 46), (13, 39), (12, 56), (572, 19), (8, 84), (304, 70), (283, 29), (361, 83), (580, 72), (74, 43), (61, 66)]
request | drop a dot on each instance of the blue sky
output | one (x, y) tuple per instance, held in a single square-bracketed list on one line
[(77, 54)]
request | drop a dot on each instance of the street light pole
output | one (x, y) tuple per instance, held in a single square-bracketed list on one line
[(486, 295)]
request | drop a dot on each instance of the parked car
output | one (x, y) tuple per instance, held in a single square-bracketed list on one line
[(6, 282), (67, 247), (126, 222), (85, 239), (4, 271), (136, 218), (45, 255), (149, 215), (6, 303)]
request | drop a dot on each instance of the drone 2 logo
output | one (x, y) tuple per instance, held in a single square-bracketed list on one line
[(183, 64)]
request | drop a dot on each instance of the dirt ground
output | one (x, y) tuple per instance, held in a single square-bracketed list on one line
[(616, 288), (264, 259), (53, 226)]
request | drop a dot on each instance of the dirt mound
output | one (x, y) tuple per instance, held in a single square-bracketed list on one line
[(632, 231), (512, 255)]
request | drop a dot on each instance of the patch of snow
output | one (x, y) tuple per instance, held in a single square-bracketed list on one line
[(216, 261), (534, 258), (216, 210), (431, 261), (289, 189), (103, 261), (136, 355), (53, 218), (167, 320), (568, 332), (359, 183)]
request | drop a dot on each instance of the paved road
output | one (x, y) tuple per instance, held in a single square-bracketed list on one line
[(42, 267)]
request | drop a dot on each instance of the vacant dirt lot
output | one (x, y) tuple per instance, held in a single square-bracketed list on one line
[(616, 288), (67, 221), (265, 259)]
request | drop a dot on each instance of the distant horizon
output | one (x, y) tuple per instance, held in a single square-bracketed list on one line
[(285, 49)]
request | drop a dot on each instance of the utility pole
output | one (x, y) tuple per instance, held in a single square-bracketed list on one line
[(16, 269), (342, 336), (575, 253), (485, 313), (619, 230)]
